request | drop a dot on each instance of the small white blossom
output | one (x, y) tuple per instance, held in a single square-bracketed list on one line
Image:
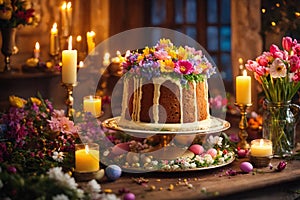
[(221, 160), (154, 162), (80, 193), (93, 186), (208, 159), (105, 196), (193, 165), (174, 167), (60, 197), (63, 179), (215, 140), (58, 156)]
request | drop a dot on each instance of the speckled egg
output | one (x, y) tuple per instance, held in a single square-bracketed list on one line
[(132, 157), (246, 167), (196, 149), (113, 172), (129, 196)]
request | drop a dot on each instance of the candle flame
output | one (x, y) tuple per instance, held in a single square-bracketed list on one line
[(70, 43), (87, 149), (261, 142), (118, 53), (91, 34), (106, 56), (69, 5), (91, 97), (64, 5), (244, 73), (37, 45), (54, 27), (78, 38), (81, 64)]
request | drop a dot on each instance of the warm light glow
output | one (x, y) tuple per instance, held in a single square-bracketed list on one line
[(91, 34), (54, 28), (241, 61), (70, 43), (277, 5), (273, 23), (64, 5), (118, 53), (69, 5), (37, 46), (106, 56), (261, 142), (87, 149), (244, 73), (297, 14), (263, 10), (81, 64), (78, 38)]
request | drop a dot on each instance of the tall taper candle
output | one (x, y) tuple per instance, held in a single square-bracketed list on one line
[(54, 41), (69, 64)]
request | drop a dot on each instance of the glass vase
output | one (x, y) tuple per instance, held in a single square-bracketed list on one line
[(279, 126)]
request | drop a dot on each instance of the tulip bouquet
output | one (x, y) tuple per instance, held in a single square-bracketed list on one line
[(278, 71)]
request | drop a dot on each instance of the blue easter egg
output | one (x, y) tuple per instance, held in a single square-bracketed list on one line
[(113, 172)]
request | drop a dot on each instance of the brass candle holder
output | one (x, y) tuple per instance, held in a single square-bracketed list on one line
[(243, 124), (69, 100)]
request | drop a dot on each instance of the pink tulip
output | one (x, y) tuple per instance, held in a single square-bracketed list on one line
[(251, 65), (274, 48), (260, 71), (296, 49), (287, 43), (295, 63), (262, 60)]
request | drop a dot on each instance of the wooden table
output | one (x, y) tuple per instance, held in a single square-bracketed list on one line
[(214, 183)]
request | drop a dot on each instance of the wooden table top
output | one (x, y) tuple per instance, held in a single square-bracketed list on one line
[(212, 183)]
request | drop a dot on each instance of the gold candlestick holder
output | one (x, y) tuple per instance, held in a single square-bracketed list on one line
[(243, 124), (69, 100)]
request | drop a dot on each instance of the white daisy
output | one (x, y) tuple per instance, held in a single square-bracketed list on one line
[(58, 156), (93, 187), (63, 179)]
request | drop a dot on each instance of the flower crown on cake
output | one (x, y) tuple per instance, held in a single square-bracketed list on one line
[(184, 63)]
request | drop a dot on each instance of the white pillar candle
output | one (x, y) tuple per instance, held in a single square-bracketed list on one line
[(36, 51), (243, 89), (69, 64)]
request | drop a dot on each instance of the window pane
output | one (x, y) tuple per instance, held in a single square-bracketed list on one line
[(225, 11), (158, 11), (191, 13), (226, 67), (225, 38), (179, 11), (212, 38), (191, 31), (212, 11)]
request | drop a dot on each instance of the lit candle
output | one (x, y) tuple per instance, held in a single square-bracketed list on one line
[(243, 89), (87, 157), (261, 148), (54, 41), (36, 51), (64, 19), (93, 105), (69, 64), (69, 14), (90, 37), (106, 59)]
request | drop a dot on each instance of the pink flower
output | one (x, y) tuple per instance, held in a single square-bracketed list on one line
[(262, 60), (296, 49), (251, 65), (183, 67), (295, 63), (287, 43), (296, 77), (274, 48), (162, 55), (261, 71)]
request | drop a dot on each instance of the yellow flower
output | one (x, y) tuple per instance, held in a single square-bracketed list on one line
[(36, 101), (146, 51), (17, 101), (166, 65), (173, 54), (140, 57), (182, 54)]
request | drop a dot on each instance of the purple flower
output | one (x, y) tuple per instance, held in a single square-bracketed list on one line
[(281, 165), (11, 169)]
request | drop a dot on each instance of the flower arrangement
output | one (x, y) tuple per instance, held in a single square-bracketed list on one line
[(184, 63), (278, 71), (16, 12)]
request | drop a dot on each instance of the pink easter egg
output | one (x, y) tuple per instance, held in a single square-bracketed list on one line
[(246, 167), (120, 148), (213, 152), (196, 149)]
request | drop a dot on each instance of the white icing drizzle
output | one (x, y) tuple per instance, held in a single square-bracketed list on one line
[(125, 98), (195, 101), (139, 101), (181, 101), (134, 114), (156, 102)]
